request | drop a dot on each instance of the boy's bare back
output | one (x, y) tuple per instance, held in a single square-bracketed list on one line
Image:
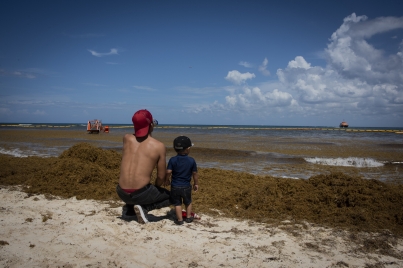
[(139, 158)]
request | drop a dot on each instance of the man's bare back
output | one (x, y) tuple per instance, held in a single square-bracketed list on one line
[(141, 154), (140, 157)]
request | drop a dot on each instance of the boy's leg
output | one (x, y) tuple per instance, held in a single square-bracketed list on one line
[(176, 200), (189, 210), (178, 211), (187, 200), (189, 218)]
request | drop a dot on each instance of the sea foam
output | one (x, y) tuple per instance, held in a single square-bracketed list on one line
[(19, 153), (345, 162)]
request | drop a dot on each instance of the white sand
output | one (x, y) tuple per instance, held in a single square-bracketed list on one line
[(37, 232)]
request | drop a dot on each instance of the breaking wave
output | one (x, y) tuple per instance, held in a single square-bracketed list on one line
[(19, 153), (345, 162)]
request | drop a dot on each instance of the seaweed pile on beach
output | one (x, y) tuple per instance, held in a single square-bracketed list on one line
[(333, 200)]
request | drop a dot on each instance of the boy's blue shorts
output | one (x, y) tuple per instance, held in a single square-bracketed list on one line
[(181, 195)]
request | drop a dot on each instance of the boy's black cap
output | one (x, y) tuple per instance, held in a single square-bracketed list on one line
[(182, 142)]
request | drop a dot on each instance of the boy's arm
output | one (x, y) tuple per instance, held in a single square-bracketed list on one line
[(195, 181)]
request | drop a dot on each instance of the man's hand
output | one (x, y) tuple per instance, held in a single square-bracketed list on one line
[(167, 182)]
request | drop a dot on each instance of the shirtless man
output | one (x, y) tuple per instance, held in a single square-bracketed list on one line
[(141, 153)]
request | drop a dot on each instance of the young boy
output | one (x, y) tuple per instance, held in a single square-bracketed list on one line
[(182, 168)]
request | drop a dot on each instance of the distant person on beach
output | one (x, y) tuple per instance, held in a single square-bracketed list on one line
[(141, 154), (181, 168)]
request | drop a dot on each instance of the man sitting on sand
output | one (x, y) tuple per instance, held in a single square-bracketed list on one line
[(141, 153)]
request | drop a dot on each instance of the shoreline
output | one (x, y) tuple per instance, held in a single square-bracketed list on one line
[(243, 127), (273, 154)]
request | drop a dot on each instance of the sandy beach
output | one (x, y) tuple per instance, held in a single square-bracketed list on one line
[(39, 231)]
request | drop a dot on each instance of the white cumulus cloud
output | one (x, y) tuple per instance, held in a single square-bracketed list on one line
[(238, 78), (352, 56), (358, 79), (263, 67), (299, 62)]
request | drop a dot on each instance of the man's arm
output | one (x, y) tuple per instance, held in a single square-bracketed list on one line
[(168, 177), (161, 167)]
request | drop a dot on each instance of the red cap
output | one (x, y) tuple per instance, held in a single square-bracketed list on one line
[(142, 120)]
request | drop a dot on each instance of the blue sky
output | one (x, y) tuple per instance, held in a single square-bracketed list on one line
[(296, 63)]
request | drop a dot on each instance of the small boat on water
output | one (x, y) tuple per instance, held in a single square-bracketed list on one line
[(95, 126), (343, 124)]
